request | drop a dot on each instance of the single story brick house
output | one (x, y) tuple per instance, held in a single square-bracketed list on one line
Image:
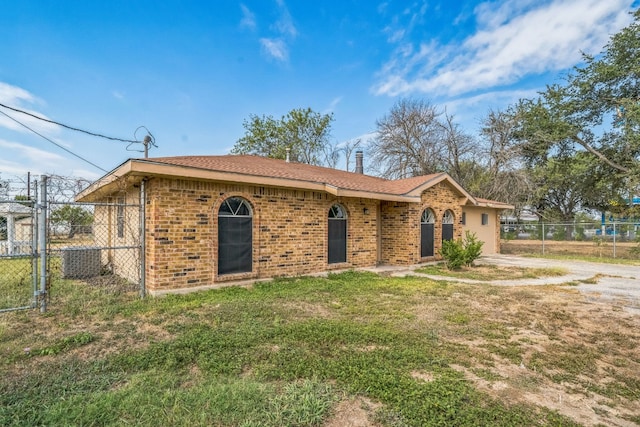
[(215, 219)]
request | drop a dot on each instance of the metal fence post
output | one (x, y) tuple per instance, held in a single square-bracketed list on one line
[(143, 246), (543, 235), (42, 242), (34, 246), (614, 239)]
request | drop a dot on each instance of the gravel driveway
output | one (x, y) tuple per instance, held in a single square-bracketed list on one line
[(612, 281), (599, 281)]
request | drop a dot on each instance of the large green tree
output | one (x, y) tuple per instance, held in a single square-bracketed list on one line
[(303, 131), (564, 185), (596, 110)]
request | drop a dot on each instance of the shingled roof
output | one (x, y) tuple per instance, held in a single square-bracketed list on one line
[(258, 170)]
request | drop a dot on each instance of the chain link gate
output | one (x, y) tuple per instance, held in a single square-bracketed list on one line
[(18, 255), (46, 242)]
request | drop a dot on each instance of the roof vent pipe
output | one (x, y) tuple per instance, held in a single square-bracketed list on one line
[(288, 158), (359, 167)]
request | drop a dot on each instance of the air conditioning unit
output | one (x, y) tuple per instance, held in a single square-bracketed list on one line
[(80, 263)]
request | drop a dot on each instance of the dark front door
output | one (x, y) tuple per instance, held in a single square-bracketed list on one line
[(447, 225), (426, 240), (447, 232)]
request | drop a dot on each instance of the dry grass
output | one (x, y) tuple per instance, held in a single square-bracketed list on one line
[(490, 272), (529, 349)]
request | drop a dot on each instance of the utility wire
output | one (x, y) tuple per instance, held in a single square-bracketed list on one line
[(65, 126), (51, 141)]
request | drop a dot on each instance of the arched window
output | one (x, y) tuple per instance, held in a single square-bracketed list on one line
[(337, 235), (447, 225), (235, 236), (427, 222)]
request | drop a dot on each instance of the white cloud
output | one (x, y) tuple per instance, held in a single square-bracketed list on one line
[(513, 39), (248, 18), (502, 97), (402, 25), (18, 159), (365, 139), (285, 31), (285, 23), (85, 173), (332, 105), (19, 98), (28, 153), (275, 48), (118, 95), (469, 111), (14, 95)]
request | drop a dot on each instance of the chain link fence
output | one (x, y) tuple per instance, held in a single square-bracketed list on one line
[(97, 244), (611, 240), (45, 242), (18, 281)]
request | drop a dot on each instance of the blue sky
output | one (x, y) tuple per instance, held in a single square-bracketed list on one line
[(192, 71)]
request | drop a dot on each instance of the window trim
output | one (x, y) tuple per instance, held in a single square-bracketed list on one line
[(227, 211), (448, 217), (428, 216), (484, 219)]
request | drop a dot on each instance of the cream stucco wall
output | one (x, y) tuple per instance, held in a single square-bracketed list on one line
[(489, 233)]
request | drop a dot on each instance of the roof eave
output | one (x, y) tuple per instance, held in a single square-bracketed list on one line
[(417, 191), (105, 185), (141, 168), (493, 204)]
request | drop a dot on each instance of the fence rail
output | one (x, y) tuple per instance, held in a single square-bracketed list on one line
[(611, 240)]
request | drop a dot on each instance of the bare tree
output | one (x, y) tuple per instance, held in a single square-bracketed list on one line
[(416, 138), (349, 147), (331, 155), (461, 150), (409, 141), (504, 177)]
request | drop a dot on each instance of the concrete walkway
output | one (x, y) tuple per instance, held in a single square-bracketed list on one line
[(604, 281)]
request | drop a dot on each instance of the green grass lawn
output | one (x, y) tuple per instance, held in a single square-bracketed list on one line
[(491, 272), (287, 352), (16, 286)]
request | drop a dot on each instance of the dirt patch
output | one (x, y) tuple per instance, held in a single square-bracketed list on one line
[(357, 412), (423, 376), (490, 272), (307, 310), (587, 410), (551, 347)]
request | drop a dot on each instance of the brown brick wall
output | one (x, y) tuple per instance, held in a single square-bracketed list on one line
[(400, 234), (289, 232)]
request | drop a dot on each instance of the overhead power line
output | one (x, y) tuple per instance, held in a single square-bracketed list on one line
[(17, 110), (50, 140)]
